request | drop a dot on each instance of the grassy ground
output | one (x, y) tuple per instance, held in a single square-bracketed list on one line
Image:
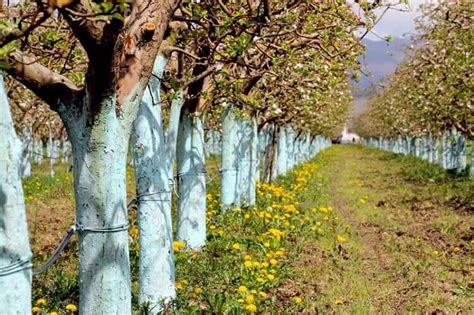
[(409, 240), (354, 231)]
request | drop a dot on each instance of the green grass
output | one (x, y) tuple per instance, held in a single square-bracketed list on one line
[(364, 232)]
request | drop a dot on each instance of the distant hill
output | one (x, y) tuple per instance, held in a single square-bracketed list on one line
[(381, 58)]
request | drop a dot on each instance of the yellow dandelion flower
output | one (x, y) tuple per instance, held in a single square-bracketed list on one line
[(266, 244), (178, 245), (198, 290), (250, 299), (298, 300), (71, 308), (248, 264), (134, 232), (36, 309), (247, 257), (40, 302), (260, 280), (251, 308), (242, 288), (262, 294), (456, 249), (54, 313), (236, 246), (341, 239), (240, 300), (270, 277), (273, 262), (253, 291)]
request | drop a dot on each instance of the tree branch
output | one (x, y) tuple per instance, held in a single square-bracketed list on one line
[(50, 86)]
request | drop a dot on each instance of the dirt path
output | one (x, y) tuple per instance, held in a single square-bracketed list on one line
[(399, 239)]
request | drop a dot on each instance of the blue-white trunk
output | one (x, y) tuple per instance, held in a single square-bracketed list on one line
[(229, 159), (38, 151), (50, 153), (27, 140), (254, 162), (99, 160), (156, 264), (282, 154), (15, 254), (191, 224), (172, 135), (244, 163)]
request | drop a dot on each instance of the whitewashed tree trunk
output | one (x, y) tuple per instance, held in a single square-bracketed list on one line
[(99, 162), (191, 219), (254, 162), (27, 142), (229, 159), (15, 253), (244, 163), (156, 261), (38, 151), (282, 156)]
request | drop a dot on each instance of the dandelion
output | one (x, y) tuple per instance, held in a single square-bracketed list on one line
[(248, 264), (266, 244), (242, 289), (260, 280), (251, 308), (198, 290), (247, 257), (236, 246), (40, 302), (270, 277), (133, 232), (178, 245), (456, 249), (341, 239), (250, 299), (71, 308), (273, 262), (298, 300), (338, 302), (247, 216), (262, 294), (53, 313), (240, 300), (253, 291), (36, 309)]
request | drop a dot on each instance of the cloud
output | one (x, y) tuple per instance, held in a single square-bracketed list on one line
[(398, 21)]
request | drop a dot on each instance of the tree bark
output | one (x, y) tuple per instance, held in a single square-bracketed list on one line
[(191, 221), (156, 264), (15, 253)]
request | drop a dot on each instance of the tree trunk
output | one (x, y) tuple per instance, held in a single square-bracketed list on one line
[(244, 156), (254, 162), (156, 265), (172, 135), (191, 221), (282, 156), (229, 160), (99, 161), (15, 254), (27, 150)]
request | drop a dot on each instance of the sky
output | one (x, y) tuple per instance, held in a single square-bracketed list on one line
[(381, 57), (398, 23)]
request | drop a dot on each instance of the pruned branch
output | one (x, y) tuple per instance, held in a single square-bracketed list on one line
[(50, 86)]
